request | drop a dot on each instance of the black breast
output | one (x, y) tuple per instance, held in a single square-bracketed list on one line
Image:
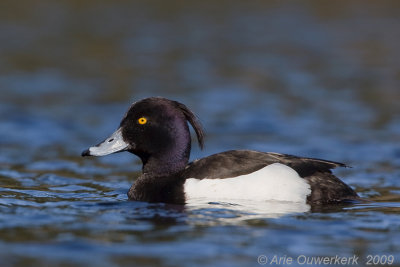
[(167, 189)]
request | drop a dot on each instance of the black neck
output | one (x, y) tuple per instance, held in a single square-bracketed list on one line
[(164, 166), (166, 162)]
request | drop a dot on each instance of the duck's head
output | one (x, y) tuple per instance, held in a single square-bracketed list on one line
[(156, 130)]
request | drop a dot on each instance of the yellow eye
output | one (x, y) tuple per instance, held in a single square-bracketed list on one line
[(142, 120)]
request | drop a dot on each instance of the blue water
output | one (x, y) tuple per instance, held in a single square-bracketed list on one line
[(311, 79)]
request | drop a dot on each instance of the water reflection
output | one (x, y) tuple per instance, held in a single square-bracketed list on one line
[(243, 210)]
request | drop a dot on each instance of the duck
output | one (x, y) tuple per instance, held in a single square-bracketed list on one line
[(156, 130)]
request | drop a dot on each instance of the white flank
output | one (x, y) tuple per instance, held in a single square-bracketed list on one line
[(275, 182)]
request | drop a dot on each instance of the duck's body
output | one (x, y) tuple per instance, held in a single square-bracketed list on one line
[(156, 130)]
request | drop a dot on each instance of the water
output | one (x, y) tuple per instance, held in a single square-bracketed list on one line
[(312, 79)]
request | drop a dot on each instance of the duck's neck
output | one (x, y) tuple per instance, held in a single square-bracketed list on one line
[(162, 179), (165, 166), (168, 162)]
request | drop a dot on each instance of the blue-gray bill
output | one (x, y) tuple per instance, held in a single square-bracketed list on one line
[(113, 144)]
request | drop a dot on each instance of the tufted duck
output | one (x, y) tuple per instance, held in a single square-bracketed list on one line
[(156, 130)]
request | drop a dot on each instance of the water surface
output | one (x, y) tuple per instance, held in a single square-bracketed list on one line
[(312, 79)]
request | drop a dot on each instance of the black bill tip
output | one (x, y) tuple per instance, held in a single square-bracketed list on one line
[(85, 153)]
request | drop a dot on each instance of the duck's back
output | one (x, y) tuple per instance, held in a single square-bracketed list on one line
[(247, 165)]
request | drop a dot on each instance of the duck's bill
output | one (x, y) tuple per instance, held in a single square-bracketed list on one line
[(113, 144)]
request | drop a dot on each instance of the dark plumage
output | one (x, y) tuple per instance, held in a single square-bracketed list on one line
[(156, 130)]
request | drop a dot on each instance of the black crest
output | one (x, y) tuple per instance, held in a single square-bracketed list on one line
[(194, 121)]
